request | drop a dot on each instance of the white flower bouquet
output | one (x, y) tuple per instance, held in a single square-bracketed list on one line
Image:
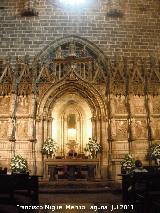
[(49, 147), (93, 147), (155, 151), (19, 164), (127, 164)]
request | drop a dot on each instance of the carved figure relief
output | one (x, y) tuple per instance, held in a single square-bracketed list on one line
[(23, 105), (156, 105), (5, 89), (119, 105), (4, 105), (156, 128), (140, 145), (121, 130), (59, 53), (24, 89), (138, 105), (72, 49), (22, 130), (3, 129), (139, 129)]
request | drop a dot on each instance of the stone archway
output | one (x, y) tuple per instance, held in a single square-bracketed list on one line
[(73, 84), (71, 122), (73, 65)]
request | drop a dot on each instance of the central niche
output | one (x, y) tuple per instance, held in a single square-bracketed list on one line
[(71, 126)]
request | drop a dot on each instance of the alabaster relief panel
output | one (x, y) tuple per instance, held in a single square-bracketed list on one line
[(119, 105), (138, 105), (4, 105), (139, 128), (140, 145), (3, 129), (23, 105), (121, 129), (156, 104), (156, 128), (22, 129)]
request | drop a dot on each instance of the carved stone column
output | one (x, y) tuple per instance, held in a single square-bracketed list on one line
[(33, 132), (105, 147), (12, 135), (40, 140), (94, 130), (49, 119), (45, 127), (98, 127)]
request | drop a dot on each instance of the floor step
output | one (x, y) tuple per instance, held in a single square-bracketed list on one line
[(63, 186)]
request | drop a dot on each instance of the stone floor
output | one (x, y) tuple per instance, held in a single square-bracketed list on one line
[(63, 197), (100, 202)]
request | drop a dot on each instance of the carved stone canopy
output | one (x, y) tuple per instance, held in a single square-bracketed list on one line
[(121, 76)]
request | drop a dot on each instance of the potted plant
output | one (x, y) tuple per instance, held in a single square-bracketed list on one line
[(127, 164), (19, 164), (93, 147), (49, 147), (154, 152)]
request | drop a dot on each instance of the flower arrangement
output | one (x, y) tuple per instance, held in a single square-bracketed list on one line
[(19, 164), (154, 151), (49, 147), (93, 147), (127, 164)]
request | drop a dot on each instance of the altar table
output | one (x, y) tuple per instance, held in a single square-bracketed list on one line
[(93, 166)]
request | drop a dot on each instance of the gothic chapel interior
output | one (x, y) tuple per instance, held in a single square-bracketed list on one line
[(74, 70)]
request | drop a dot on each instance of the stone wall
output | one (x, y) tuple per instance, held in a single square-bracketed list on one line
[(130, 28)]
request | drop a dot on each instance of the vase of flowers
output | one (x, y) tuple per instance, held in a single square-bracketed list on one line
[(93, 147), (154, 152), (19, 164), (49, 147), (127, 164)]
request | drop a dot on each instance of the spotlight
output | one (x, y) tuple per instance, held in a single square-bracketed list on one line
[(72, 2)]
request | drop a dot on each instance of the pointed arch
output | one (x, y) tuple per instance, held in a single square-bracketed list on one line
[(90, 61)]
